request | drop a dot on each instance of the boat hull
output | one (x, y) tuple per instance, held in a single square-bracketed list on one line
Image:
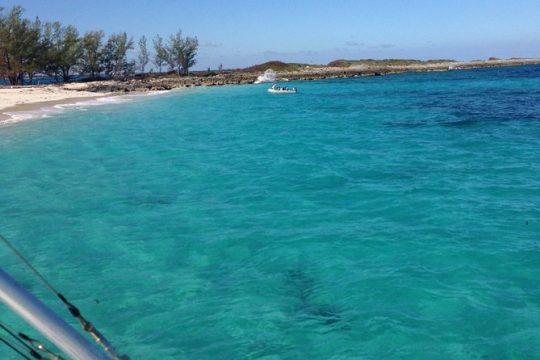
[(274, 91)]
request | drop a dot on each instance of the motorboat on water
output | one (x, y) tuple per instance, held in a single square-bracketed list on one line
[(282, 90)]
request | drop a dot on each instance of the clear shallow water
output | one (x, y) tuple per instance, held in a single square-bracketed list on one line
[(385, 217)]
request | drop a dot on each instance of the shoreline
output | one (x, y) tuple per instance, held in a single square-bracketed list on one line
[(8, 114), (19, 103), (157, 82), (24, 102)]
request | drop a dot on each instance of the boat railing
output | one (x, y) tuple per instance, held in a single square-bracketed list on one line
[(48, 322)]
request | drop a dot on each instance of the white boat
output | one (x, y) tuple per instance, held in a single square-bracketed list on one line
[(282, 90)]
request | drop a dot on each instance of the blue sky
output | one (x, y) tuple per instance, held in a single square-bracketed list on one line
[(239, 33)]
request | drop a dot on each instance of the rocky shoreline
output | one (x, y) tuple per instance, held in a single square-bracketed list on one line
[(33, 99), (169, 82)]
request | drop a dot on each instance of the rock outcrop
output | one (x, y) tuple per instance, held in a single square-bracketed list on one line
[(341, 69)]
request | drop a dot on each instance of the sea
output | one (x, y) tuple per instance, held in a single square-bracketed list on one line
[(389, 217)]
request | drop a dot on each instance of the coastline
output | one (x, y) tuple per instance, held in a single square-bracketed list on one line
[(24, 102), (159, 82)]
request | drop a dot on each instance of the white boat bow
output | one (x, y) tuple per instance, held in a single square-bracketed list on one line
[(282, 90)]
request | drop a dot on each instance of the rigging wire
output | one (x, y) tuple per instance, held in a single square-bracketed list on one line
[(14, 348), (27, 263), (14, 335), (74, 311), (40, 347)]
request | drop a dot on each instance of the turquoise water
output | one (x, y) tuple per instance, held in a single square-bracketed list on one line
[(367, 218)]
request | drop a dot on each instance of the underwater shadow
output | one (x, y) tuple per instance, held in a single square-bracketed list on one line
[(302, 287)]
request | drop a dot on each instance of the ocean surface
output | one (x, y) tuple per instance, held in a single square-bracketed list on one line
[(393, 217)]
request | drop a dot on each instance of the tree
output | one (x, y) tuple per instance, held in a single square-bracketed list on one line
[(160, 56), (180, 52), (92, 50), (62, 50), (191, 44), (175, 51), (114, 56), (69, 51), (29, 47), (33, 46), (19, 45), (143, 53), (47, 55)]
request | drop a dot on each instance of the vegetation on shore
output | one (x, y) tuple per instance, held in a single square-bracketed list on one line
[(30, 47), (340, 63), (274, 65), (385, 62)]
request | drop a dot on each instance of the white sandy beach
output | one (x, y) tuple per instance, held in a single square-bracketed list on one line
[(14, 99)]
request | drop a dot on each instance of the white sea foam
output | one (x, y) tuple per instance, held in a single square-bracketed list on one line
[(157, 92), (268, 76), (47, 111), (82, 105), (21, 116)]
